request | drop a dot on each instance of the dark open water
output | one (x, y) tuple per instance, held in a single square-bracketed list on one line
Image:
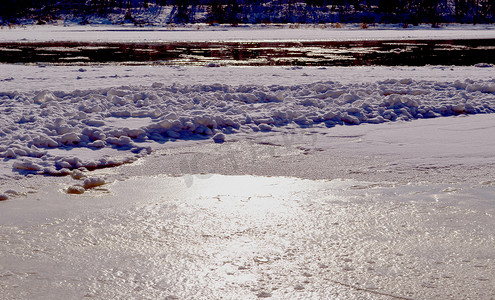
[(309, 53)]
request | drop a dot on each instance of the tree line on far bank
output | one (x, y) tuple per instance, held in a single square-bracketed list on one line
[(258, 11)]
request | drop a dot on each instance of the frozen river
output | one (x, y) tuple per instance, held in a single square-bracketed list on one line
[(248, 237), (390, 211), (251, 179)]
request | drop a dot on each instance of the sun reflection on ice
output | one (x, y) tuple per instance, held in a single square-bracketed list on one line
[(248, 195), (249, 237)]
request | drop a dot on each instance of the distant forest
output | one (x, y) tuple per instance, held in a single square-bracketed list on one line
[(252, 11)]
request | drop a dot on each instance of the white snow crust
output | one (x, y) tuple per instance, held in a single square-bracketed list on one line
[(203, 32), (92, 125), (21, 78)]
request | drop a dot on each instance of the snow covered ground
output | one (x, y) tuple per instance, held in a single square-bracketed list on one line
[(92, 124), (202, 32), (23, 78), (369, 182)]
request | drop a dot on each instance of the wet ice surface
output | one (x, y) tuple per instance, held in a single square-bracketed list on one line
[(248, 237)]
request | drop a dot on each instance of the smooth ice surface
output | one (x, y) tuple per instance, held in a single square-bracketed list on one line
[(247, 237)]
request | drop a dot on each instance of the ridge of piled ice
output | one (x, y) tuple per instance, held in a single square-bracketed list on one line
[(131, 118)]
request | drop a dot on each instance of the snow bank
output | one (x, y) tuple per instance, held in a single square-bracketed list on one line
[(263, 32), (133, 120)]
